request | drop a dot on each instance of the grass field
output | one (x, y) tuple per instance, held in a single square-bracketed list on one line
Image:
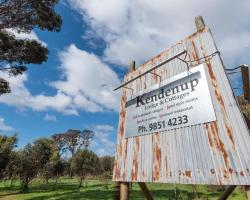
[(93, 189)]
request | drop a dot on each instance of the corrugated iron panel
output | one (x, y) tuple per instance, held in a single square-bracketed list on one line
[(212, 153)]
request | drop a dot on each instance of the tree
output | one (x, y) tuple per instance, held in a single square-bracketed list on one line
[(72, 140), (32, 159), (7, 144), (23, 16), (59, 139), (28, 166), (11, 170), (53, 169), (84, 163), (86, 136), (107, 164)]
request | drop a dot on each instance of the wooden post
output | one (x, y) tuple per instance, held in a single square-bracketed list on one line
[(117, 191), (132, 66), (124, 186), (199, 23), (228, 191), (245, 81), (247, 189), (145, 191), (124, 190)]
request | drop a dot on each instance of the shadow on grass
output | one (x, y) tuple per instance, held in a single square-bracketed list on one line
[(8, 194), (171, 194), (76, 194), (60, 187), (93, 191), (95, 194)]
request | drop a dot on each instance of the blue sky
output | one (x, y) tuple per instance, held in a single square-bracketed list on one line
[(89, 57)]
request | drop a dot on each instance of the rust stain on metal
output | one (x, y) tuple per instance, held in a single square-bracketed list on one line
[(230, 133), (135, 158), (188, 174), (155, 77), (194, 53), (210, 140), (212, 171), (122, 116), (197, 33), (166, 165), (215, 85), (219, 144), (138, 82), (116, 166), (221, 101), (242, 173), (120, 149), (117, 175), (158, 57), (156, 157), (211, 74), (125, 158), (143, 175)]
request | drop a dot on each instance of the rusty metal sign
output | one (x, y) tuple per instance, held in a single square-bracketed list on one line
[(183, 100), (214, 152)]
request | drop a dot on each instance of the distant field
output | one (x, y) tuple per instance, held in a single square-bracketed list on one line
[(68, 189)]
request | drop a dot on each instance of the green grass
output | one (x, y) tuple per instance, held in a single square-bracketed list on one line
[(68, 189)]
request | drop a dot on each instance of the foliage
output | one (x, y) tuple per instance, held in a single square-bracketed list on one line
[(4, 86), (23, 16), (15, 54), (53, 169), (73, 140), (107, 164), (245, 108), (26, 15), (84, 163), (86, 135), (12, 168), (7, 144), (60, 143), (106, 169), (32, 159), (55, 166)]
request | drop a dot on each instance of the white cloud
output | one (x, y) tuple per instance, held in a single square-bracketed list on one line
[(4, 127), (21, 97), (101, 152), (30, 36), (103, 140), (88, 80), (87, 85), (138, 30), (104, 128), (51, 118)]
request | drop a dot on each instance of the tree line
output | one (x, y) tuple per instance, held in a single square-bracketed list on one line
[(45, 158)]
